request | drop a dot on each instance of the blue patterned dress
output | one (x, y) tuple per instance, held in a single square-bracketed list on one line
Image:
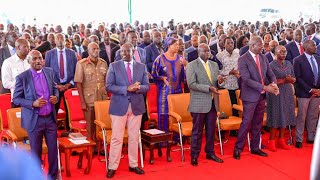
[(175, 73), (280, 108)]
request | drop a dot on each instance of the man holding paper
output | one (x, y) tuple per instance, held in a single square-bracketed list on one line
[(127, 80), (36, 92), (257, 78)]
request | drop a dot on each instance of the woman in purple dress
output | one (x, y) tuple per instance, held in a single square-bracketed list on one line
[(168, 72)]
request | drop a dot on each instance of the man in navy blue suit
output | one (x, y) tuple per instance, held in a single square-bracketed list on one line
[(36, 92), (294, 48), (154, 49), (307, 88), (63, 62)]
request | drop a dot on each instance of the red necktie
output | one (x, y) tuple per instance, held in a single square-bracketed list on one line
[(259, 69), (136, 56), (129, 73), (309, 37), (301, 48), (61, 66)]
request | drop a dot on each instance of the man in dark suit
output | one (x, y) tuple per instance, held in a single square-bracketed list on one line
[(193, 55), (307, 88), (289, 36), (63, 62), (146, 40), (78, 47), (139, 54), (36, 92), (127, 80), (154, 49), (5, 53), (257, 78), (202, 77), (122, 40), (105, 47), (311, 33), (219, 46), (294, 48), (270, 55)]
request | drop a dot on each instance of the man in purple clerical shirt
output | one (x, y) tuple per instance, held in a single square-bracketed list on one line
[(36, 93)]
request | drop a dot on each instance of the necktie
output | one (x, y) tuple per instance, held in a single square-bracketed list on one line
[(129, 73), (136, 56), (314, 69), (309, 37), (80, 53), (259, 69), (207, 68), (301, 48), (61, 65), (108, 51)]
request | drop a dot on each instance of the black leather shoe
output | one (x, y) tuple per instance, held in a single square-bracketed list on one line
[(194, 161), (259, 153), (299, 145), (310, 142), (110, 173), (214, 158), (137, 170), (236, 155)]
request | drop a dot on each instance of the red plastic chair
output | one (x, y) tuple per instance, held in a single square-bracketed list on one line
[(152, 108), (5, 104), (61, 116), (75, 113)]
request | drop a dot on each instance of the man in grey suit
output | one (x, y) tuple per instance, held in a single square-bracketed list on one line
[(202, 78), (257, 78), (127, 80)]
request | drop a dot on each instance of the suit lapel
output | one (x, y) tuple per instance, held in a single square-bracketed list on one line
[(307, 63), (33, 90), (203, 70), (68, 67), (124, 71), (213, 76), (135, 71), (48, 80)]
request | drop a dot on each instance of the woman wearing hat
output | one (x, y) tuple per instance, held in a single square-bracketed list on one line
[(169, 74)]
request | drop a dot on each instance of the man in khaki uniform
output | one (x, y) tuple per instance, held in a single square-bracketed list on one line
[(90, 77)]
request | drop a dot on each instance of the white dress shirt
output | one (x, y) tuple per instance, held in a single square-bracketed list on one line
[(10, 69), (12, 50)]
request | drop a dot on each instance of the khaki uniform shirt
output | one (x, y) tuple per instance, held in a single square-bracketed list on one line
[(93, 79)]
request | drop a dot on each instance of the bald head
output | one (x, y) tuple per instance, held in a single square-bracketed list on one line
[(273, 44), (203, 39), (35, 60), (204, 51), (93, 51), (255, 45), (310, 47), (22, 47), (94, 38), (194, 40)]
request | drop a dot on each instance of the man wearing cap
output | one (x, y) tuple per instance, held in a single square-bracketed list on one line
[(114, 39)]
